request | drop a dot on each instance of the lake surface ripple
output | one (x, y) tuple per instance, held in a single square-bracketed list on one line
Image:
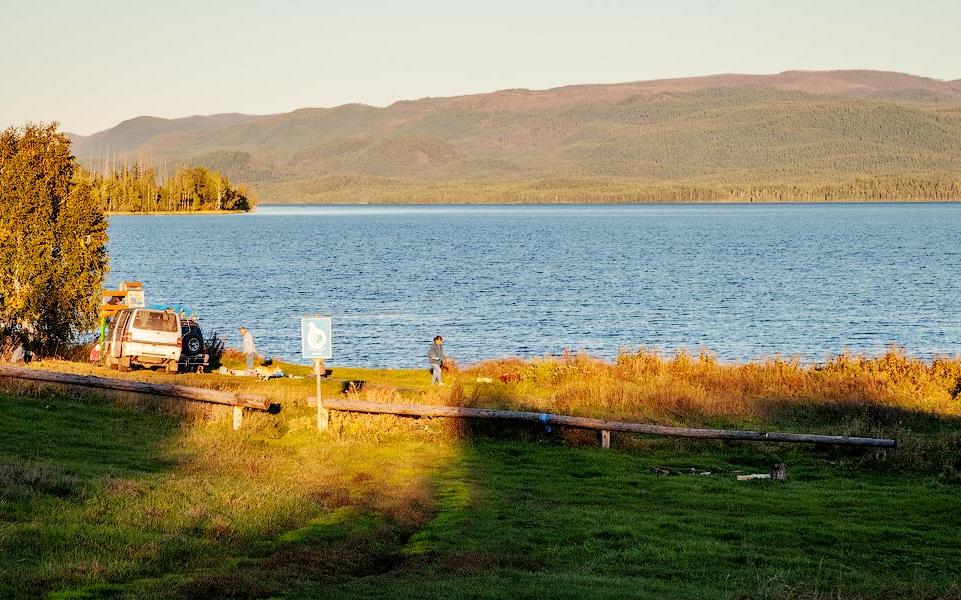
[(745, 281)]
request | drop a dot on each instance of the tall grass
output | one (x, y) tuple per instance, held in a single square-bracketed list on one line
[(915, 401), (100, 499), (688, 389)]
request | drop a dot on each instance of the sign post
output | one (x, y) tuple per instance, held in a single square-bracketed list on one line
[(316, 343)]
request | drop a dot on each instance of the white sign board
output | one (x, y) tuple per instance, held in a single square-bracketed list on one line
[(316, 339), (135, 299)]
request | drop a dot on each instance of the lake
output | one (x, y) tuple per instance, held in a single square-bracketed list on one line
[(745, 281)]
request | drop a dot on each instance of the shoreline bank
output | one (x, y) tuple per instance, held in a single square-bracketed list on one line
[(159, 213), (500, 203)]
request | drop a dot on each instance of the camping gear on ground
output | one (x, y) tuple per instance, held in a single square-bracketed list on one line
[(262, 372)]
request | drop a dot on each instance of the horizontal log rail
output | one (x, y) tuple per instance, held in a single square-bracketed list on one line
[(255, 401), (423, 410)]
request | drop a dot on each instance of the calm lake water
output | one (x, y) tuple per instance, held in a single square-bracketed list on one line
[(745, 281)]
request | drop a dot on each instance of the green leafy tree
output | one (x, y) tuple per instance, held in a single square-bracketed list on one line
[(53, 237)]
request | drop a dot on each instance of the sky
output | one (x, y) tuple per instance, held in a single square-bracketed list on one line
[(90, 65)]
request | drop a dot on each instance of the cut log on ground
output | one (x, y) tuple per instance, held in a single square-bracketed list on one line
[(423, 410), (255, 401)]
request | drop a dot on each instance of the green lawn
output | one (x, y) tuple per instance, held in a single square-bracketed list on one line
[(98, 500), (533, 520)]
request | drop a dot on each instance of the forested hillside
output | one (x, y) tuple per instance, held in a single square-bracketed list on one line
[(844, 135)]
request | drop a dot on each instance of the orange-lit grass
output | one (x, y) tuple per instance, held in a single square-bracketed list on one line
[(688, 389), (894, 395), (100, 500), (916, 401)]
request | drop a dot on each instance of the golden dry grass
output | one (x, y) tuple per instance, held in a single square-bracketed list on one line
[(646, 385), (917, 402), (894, 395), (102, 499)]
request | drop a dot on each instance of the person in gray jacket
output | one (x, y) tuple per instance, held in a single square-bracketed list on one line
[(248, 347), (435, 356)]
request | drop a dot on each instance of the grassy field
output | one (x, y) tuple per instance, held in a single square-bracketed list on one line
[(100, 498)]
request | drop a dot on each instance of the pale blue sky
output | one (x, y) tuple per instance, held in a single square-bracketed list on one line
[(93, 64)]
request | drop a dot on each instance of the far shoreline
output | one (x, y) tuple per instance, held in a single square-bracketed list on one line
[(503, 204), (161, 213), (603, 203)]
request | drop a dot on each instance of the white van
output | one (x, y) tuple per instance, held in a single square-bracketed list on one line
[(143, 336)]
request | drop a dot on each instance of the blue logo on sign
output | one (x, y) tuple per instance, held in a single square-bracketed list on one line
[(315, 335)]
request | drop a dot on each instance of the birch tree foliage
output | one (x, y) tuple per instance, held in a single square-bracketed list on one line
[(53, 237)]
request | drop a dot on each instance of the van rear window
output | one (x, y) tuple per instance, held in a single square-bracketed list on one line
[(155, 321)]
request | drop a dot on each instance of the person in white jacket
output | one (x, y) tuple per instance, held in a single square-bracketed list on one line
[(248, 347)]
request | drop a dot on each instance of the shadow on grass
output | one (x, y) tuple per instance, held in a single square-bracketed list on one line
[(544, 520), (106, 500), (58, 458), (927, 444)]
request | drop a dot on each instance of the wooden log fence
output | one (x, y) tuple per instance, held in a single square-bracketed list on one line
[(605, 427), (235, 400)]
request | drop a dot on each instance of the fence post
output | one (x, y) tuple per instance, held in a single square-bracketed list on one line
[(238, 417), (322, 417), (605, 438)]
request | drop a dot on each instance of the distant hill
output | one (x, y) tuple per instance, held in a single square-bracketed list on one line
[(805, 135)]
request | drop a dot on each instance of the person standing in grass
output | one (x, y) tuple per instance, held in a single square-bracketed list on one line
[(435, 356), (248, 347)]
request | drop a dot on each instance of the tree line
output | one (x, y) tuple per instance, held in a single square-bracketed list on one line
[(352, 189), (134, 188)]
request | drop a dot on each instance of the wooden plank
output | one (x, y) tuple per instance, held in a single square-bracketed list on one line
[(256, 401), (422, 410)]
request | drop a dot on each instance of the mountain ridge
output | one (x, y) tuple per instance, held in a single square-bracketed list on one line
[(792, 127)]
